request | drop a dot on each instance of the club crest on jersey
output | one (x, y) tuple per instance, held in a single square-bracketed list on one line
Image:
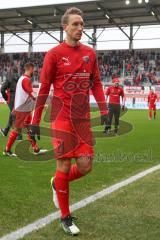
[(86, 59), (66, 61)]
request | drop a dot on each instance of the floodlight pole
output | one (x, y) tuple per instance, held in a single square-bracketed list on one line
[(30, 48), (2, 50), (94, 38), (131, 38), (61, 34)]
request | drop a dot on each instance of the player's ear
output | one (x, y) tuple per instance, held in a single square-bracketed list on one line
[(65, 26)]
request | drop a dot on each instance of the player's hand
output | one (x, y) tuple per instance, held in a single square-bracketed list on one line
[(123, 108), (34, 130), (104, 119)]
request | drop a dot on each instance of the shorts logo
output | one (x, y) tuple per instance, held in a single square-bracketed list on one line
[(86, 59), (66, 61)]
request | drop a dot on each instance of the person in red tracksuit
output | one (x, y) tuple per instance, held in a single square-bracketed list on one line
[(114, 93), (152, 99), (72, 69)]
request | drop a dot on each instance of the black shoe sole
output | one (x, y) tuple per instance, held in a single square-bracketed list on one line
[(3, 134)]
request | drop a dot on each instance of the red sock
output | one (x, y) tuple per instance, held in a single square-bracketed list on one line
[(12, 137), (150, 114), (62, 189), (33, 143), (74, 173)]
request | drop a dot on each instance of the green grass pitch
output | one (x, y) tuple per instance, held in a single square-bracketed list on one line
[(130, 213)]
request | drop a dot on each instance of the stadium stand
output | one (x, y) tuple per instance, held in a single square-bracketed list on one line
[(7, 61), (136, 68)]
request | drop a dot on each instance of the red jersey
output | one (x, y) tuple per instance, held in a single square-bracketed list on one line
[(72, 71), (152, 97), (114, 94)]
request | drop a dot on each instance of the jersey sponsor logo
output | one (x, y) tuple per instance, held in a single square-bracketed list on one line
[(76, 76), (115, 93), (66, 61)]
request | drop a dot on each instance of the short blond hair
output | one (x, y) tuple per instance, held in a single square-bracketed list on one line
[(70, 11), (28, 65)]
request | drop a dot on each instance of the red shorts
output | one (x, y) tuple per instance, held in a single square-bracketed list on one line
[(21, 119), (152, 107), (71, 140)]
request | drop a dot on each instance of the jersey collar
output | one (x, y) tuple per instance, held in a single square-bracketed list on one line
[(69, 46)]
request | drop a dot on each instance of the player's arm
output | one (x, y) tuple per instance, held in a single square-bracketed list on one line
[(107, 96), (46, 79), (98, 93), (123, 100), (148, 100), (27, 87), (5, 86)]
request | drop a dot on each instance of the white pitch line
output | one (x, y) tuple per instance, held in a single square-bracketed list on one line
[(42, 222)]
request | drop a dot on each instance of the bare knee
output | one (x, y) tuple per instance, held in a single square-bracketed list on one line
[(64, 165), (84, 165)]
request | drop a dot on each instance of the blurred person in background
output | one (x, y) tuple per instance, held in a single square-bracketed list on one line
[(152, 99), (8, 90), (114, 93)]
